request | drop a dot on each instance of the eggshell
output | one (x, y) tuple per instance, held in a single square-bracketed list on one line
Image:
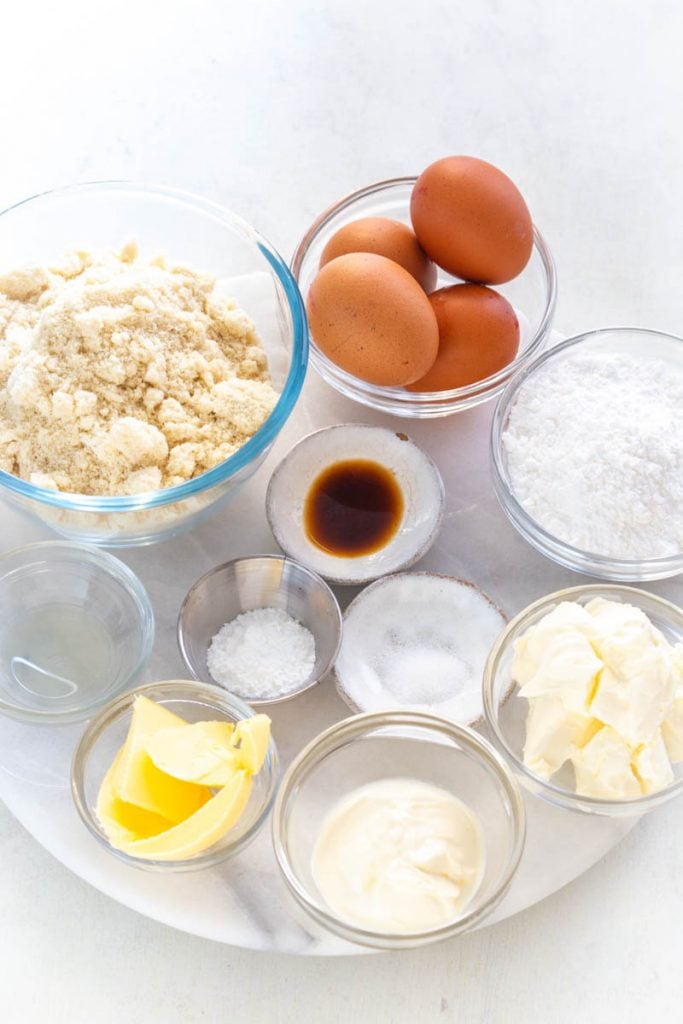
[(478, 336), (472, 220), (370, 317), (385, 237)]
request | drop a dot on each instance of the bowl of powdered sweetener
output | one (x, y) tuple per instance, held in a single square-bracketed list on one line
[(587, 454)]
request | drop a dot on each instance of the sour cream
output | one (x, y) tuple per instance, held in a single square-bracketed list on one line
[(399, 856)]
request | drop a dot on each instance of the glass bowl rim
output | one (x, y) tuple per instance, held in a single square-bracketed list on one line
[(350, 729), (266, 433), (428, 398), (300, 567), (98, 725), (559, 794), (112, 566), (531, 530)]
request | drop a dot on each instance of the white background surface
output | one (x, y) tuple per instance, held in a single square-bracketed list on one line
[(276, 110)]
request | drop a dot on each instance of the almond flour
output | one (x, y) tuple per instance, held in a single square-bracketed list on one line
[(121, 376)]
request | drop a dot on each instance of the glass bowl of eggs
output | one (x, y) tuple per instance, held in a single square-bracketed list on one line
[(394, 330)]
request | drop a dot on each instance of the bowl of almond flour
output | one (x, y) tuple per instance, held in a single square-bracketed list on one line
[(152, 346), (587, 454)]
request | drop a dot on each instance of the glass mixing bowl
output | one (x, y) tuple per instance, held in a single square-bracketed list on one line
[(403, 744), (642, 344), (533, 295), (506, 712), (186, 229)]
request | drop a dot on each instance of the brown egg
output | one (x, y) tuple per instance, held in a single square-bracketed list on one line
[(472, 220), (370, 317), (478, 335), (385, 237)]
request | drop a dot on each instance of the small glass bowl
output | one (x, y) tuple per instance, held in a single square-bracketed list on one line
[(187, 229), (506, 712), (533, 294), (195, 702), (76, 628), (261, 581), (392, 744), (635, 341)]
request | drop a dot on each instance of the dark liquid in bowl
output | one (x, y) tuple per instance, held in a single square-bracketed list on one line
[(353, 508)]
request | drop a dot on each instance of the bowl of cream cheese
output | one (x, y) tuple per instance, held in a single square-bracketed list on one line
[(583, 693)]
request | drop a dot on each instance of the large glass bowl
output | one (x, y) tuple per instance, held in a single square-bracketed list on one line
[(403, 744), (186, 229), (533, 295), (506, 711), (645, 345)]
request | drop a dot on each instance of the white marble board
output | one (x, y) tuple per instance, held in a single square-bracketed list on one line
[(244, 902)]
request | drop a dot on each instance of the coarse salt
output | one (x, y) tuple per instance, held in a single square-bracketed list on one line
[(262, 654)]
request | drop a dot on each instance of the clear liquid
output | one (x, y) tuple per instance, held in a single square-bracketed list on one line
[(55, 657)]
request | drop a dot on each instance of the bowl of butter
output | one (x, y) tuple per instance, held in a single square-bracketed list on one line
[(175, 776), (583, 692)]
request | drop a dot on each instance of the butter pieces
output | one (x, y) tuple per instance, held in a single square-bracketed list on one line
[(605, 691), (158, 799)]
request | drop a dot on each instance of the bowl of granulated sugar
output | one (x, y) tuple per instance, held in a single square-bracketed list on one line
[(587, 454), (265, 628)]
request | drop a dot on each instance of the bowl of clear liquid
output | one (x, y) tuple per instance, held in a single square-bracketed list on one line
[(76, 629)]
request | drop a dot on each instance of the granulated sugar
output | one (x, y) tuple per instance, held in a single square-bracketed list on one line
[(262, 654), (420, 641), (594, 447)]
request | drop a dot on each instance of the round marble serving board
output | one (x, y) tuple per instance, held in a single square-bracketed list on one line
[(244, 902)]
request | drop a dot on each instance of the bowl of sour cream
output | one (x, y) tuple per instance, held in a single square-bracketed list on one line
[(398, 829)]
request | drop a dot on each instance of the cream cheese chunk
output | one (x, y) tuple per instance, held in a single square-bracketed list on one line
[(399, 855), (605, 691)]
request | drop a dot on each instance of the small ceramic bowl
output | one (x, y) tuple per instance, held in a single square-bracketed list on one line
[(533, 295), (262, 581), (418, 641), (195, 702), (417, 476), (76, 628), (506, 712), (394, 744)]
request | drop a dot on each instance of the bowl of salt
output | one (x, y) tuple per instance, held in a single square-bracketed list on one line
[(265, 628)]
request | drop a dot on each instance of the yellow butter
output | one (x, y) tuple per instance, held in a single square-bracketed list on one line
[(200, 753), (121, 821), (137, 780), (253, 736), (198, 832)]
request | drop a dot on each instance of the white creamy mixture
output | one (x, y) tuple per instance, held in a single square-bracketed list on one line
[(120, 375), (605, 691), (594, 446), (399, 855)]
